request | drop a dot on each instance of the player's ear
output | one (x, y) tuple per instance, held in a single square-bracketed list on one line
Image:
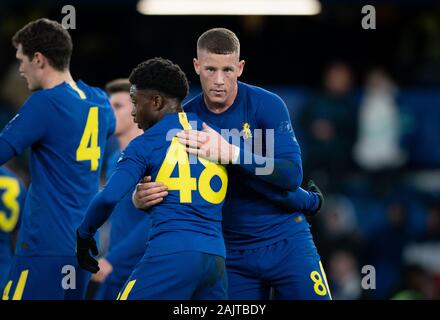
[(240, 67), (196, 65), (39, 59), (158, 102)]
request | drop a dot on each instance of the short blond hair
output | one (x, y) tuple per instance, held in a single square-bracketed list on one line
[(219, 41)]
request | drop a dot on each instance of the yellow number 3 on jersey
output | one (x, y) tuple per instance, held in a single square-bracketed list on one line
[(88, 148), (9, 199)]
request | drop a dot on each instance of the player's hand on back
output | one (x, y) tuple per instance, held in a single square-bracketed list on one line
[(105, 268), (148, 193), (208, 144), (83, 248)]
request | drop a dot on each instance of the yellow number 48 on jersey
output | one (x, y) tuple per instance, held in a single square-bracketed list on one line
[(186, 184)]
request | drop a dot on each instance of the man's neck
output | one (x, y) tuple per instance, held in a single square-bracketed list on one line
[(55, 77), (172, 107), (125, 139)]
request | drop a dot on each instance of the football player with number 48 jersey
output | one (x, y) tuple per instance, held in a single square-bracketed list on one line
[(185, 255)]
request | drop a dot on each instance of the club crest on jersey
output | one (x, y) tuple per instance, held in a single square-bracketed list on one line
[(247, 131)]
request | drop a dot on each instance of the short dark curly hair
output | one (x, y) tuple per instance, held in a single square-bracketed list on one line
[(48, 37), (161, 75)]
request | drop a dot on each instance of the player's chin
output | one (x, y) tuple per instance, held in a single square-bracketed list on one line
[(34, 88), (218, 98), (118, 132)]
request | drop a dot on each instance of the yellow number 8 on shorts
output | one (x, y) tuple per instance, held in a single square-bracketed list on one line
[(320, 284)]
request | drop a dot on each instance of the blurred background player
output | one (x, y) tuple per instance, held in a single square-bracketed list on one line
[(324, 118), (12, 196), (268, 245), (119, 262), (66, 124), (186, 250)]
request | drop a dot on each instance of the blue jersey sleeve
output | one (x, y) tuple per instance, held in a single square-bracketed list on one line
[(272, 114), (21, 201), (30, 124), (112, 161), (130, 169), (6, 151), (293, 201)]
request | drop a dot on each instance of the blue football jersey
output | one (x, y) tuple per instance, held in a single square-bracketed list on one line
[(66, 128), (12, 196), (125, 217), (249, 219), (124, 220), (189, 218)]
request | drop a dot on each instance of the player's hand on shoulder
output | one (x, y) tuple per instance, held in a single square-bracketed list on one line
[(148, 193), (208, 144), (83, 248), (105, 268)]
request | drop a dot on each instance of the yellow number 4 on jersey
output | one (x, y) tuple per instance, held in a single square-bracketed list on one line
[(88, 148)]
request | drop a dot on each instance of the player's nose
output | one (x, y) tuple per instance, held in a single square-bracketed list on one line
[(219, 79)]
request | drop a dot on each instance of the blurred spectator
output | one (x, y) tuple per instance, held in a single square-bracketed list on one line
[(329, 123), (424, 254), (426, 251), (384, 250), (417, 284), (433, 223), (418, 49), (337, 226), (377, 147), (344, 276)]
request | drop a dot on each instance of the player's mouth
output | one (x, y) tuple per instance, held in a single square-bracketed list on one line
[(218, 92)]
